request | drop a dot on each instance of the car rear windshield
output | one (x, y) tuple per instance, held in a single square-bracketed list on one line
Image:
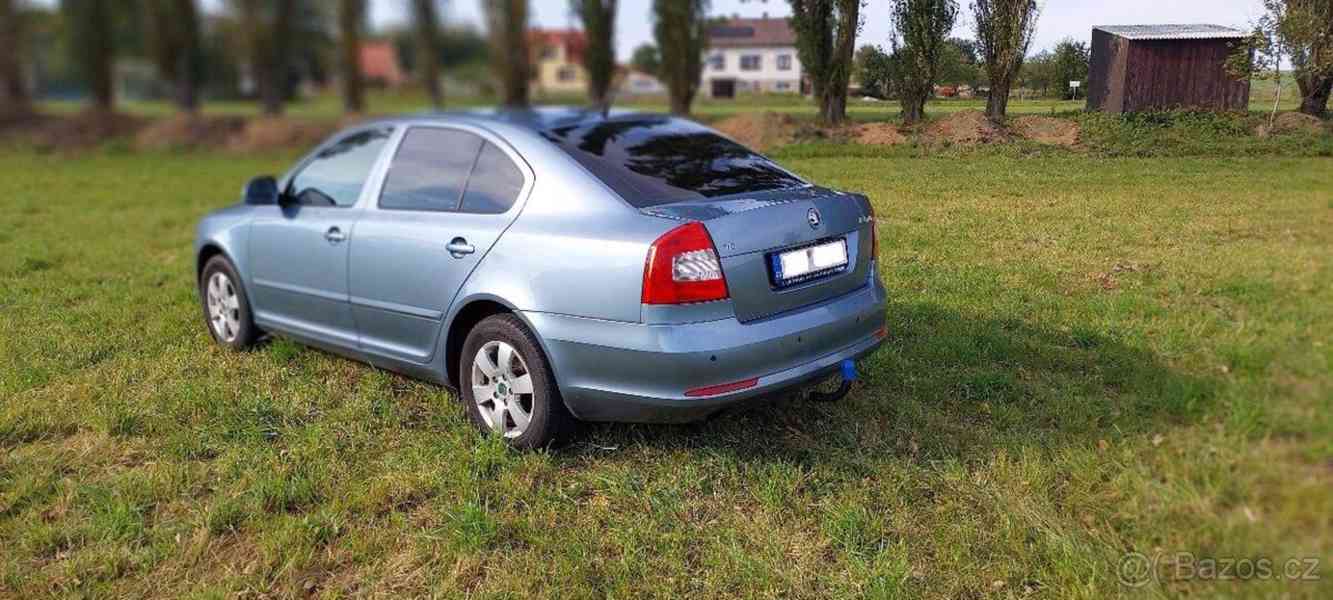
[(655, 161)]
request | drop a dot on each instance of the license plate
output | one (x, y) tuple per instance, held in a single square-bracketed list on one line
[(795, 266)]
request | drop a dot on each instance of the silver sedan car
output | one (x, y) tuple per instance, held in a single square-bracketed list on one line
[(552, 265)]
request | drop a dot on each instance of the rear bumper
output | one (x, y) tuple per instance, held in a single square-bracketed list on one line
[(630, 372)]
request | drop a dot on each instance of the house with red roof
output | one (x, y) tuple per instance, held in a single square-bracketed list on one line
[(379, 64), (557, 61)]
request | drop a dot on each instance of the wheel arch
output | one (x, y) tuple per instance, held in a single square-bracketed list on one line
[(206, 253), (473, 311)]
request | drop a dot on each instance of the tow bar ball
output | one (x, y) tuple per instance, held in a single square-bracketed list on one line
[(848, 369)]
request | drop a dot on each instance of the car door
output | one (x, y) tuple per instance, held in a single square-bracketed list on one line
[(298, 249), (447, 196)]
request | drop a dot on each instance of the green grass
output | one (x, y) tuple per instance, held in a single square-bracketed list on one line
[(327, 106), (1087, 356)]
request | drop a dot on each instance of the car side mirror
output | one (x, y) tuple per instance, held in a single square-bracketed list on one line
[(262, 190)]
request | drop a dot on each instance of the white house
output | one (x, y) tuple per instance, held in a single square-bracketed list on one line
[(751, 55)]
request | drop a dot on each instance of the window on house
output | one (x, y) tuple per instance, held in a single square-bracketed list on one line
[(783, 86), (717, 62), (784, 62), (750, 62), (548, 53), (566, 74)]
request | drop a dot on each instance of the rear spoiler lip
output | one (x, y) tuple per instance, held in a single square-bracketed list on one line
[(713, 208)]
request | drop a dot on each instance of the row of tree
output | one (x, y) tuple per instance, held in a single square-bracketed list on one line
[(921, 55)]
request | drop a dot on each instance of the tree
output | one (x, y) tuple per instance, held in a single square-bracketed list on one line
[(679, 26), (958, 63), (13, 87), (920, 30), (647, 59), (174, 44), (511, 60), (874, 69), (825, 40), (1004, 32), (599, 24), (428, 49), (267, 28), (1302, 30), (351, 17), (92, 42), (1071, 60)]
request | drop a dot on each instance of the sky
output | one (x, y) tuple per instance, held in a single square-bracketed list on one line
[(1059, 19)]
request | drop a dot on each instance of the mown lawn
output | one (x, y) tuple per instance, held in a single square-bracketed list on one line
[(1087, 357)]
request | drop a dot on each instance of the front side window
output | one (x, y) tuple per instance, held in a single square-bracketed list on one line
[(430, 170), (659, 160), (335, 176), (750, 62)]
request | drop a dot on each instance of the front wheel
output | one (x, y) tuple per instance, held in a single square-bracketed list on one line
[(508, 387), (226, 307)]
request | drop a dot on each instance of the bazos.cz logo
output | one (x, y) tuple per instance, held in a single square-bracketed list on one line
[(1137, 569)]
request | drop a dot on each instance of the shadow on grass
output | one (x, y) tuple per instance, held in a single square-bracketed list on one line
[(953, 385)]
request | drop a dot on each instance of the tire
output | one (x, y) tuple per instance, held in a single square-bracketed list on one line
[(522, 390), (226, 305)]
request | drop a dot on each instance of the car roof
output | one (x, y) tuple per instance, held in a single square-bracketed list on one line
[(536, 119)]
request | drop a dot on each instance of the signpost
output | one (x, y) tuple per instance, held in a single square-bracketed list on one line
[(1076, 85)]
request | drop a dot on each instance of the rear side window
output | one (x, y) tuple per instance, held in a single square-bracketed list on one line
[(430, 170), (335, 176), (494, 185), (659, 160)]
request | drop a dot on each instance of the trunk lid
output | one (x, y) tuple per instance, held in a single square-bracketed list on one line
[(750, 229)]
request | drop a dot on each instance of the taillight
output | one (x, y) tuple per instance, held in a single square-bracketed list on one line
[(683, 267)]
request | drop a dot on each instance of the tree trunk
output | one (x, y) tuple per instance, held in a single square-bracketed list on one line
[(914, 109), (997, 103), (833, 109), (428, 51), (599, 22), (13, 87), (271, 61), (350, 16), (681, 101), (510, 57), (187, 64), (1315, 92), (99, 56)]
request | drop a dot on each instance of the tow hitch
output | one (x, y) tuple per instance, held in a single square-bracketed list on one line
[(848, 369)]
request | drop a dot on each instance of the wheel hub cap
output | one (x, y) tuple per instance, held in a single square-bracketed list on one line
[(224, 307), (502, 388)]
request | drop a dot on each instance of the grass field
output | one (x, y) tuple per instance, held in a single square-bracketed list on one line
[(1087, 357)]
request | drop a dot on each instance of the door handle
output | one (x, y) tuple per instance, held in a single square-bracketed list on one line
[(459, 248), (335, 235)]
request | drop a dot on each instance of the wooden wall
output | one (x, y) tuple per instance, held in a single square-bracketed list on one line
[(1137, 76)]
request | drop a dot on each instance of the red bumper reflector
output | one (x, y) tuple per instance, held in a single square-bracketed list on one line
[(717, 390), (882, 332)]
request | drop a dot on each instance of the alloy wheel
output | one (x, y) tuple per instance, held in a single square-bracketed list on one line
[(502, 388)]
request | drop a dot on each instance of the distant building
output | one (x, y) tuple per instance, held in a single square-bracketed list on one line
[(634, 82), (751, 55), (379, 64), (1139, 68), (558, 61)]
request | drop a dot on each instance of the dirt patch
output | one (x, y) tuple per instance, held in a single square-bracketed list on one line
[(83, 130), (964, 128), (879, 134), (269, 133), (761, 131), (1292, 123), (1046, 130), (189, 131)]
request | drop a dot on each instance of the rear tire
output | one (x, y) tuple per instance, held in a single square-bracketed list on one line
[(226, 305), (507, 385)]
